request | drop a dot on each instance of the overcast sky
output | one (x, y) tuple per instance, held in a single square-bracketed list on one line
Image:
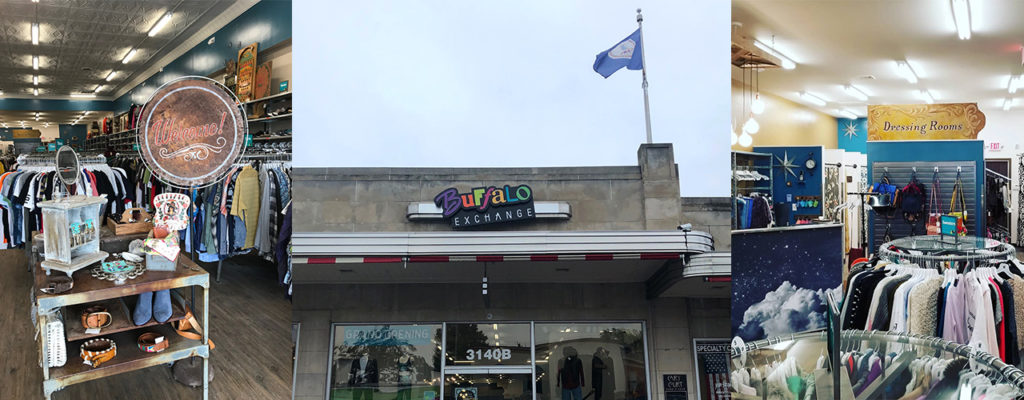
[(509, 84)]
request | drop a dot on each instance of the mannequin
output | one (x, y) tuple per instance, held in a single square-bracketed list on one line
[(405, 376), (363, 377), (601, 373), (570, 376)]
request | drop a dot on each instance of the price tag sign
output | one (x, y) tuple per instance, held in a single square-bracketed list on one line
[(248, 140)]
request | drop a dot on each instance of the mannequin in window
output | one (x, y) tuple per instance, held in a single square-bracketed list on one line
[(405, 374), (363, 377), (602, 377), (570, 376)]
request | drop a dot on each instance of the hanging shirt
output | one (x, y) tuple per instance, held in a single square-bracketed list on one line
[(247, 202)]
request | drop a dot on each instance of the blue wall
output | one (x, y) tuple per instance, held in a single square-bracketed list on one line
[(812, 185), (269, 22), (934, 150), (856, 142), (73, 135), (55, 105)]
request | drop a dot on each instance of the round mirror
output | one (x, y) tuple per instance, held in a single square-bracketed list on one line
[(67, 165)]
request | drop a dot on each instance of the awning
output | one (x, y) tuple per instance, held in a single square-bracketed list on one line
[(705, 275)]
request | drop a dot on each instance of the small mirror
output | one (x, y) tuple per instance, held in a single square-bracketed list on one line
[(67, 165)]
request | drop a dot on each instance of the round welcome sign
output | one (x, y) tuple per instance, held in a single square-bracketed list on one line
[(192, 131)]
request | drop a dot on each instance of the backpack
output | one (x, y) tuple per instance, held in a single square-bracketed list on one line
[(912, 201)]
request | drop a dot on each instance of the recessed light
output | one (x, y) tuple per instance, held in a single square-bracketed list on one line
[(787, 63), (128, 57), (35, 33), (855, 92), (927, 96), (80, 95), (35, 91), (35, 62), (110, 76), (905, 71), (98, 88), (35, 80), (160, 24), (962, 18), (810, 98)]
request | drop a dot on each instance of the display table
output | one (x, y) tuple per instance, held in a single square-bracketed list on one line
[(129, 357)]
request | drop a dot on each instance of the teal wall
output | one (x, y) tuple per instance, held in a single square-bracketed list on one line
[(857, 141), (269, 22)]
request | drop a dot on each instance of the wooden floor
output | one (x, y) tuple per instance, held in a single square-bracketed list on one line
[(250, 323)]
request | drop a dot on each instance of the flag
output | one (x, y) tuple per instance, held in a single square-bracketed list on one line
[(716, 371), (627, 53)]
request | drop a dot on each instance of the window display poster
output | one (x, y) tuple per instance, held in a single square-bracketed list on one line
[(713, 357), (388, 335), (781, 279), (674, 386)]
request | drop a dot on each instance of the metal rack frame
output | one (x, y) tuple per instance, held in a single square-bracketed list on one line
[(1005, 251), (736, 188)]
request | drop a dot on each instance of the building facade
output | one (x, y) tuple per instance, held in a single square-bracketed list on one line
[(509, 283)]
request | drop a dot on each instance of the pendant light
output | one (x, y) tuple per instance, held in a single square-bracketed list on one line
[(746, 140), (757, 105), (733, 137), (750, 126)]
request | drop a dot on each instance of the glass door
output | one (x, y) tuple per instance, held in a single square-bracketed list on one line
[(488, 361), (496, 383)]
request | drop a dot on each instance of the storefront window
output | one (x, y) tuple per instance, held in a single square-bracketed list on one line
[(599, 361), (385, 362), (488, 344)]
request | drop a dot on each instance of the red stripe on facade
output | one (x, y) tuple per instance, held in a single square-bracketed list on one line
[(599, 257), (320, 260), (659, 256), (428, 259), (490, 258), (378, 260), (544, 257)]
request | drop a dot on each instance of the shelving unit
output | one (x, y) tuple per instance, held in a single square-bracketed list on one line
[(748, 161), (89, 290)]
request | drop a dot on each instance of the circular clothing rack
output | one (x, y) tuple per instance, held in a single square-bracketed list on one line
[(931, 249)]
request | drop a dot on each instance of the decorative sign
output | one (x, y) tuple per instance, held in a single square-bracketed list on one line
[(192, 132), (245, 83), (674, 386), (262, 81), (388, 335), (995, 146), (486, 205), (957, 121), (713, 368)]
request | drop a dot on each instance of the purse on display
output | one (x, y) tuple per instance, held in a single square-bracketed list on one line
[(934, 226), (888, 195), (961, 215)]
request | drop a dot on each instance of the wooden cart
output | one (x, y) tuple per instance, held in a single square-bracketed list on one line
[(123, 331)]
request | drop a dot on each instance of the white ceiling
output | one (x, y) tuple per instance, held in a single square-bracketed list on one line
[(81, 41), (837, 42)]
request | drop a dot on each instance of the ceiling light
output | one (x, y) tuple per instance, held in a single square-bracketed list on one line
[(855, 92), (84, 113), (1007, 104), (110, 76), (787, 63), (847, 114), (37, 117), (810, 98), (962, 18), (1, 92), (35, 91), (83, 95), (128, 57), (35, 33), (1016, 82), (35, 80), (751, 126), (35, 62), (98, 88), (904, 70), (160, 24), (927, 96), (746, 140)]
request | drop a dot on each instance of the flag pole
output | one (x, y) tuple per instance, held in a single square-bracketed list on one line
[(643, 61)]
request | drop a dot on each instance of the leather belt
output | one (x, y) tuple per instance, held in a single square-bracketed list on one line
[(98, 351), (96, 317), (153, 342)]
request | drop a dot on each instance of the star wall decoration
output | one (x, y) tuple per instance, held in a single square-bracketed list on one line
[(786, 163), (851, 130)]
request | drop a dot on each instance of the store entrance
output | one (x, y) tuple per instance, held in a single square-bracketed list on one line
[(493, 383)]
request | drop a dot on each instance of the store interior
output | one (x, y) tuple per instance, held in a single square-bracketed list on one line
[(900, 123), (86, 226)]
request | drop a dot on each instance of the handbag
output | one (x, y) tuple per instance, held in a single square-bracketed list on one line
[(934, 211), (961, 216), (56, 346), (889, 194)]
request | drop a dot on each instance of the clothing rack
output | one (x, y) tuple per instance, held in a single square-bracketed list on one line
[(1002, 251), (49, 159), (1009, 373)]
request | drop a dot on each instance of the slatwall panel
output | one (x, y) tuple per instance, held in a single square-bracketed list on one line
[(899, 175)]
